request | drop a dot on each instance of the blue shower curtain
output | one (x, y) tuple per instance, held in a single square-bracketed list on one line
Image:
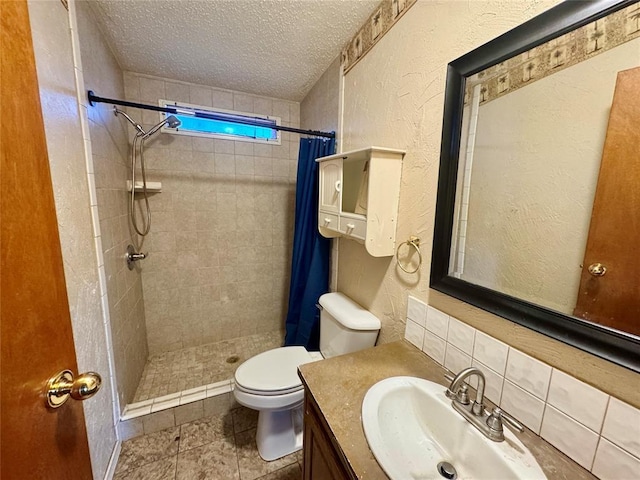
[(310, 260)]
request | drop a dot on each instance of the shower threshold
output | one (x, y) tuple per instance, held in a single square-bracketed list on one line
[(174, 379)]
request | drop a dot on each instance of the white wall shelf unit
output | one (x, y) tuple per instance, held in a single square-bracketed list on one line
[(358, 197)]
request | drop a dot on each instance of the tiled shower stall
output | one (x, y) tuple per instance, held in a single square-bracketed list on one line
[(213, 289), (222, 227)]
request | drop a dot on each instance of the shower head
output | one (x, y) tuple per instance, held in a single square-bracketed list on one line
[(171, 121)]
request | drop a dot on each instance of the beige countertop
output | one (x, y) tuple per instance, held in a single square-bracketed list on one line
[(339, 385)]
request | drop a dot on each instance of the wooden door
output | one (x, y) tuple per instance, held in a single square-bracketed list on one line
[(613, 299), (36, 338)]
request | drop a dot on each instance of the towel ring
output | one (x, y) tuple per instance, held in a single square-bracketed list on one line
[(412, 242)]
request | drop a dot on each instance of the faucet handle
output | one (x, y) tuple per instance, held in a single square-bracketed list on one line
[(460, 396), (497, 416), (462, 393)]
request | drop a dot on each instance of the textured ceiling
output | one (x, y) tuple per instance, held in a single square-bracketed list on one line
[(277, 48)]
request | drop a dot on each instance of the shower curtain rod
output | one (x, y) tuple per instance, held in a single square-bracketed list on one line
[(211, 116)]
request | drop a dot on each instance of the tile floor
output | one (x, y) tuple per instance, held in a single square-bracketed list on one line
[(173, 372), (219, 447)]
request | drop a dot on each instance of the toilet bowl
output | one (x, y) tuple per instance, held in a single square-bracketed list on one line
[(269, 381)]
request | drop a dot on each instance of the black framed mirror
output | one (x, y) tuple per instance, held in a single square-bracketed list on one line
[(468, 87)]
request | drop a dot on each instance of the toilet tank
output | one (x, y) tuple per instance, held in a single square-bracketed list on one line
[(345, 326)]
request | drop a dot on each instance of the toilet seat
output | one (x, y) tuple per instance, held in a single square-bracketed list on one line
[(266, 403), (268, 393), (274, 372)]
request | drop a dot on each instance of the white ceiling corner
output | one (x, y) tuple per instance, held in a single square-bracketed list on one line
[(276, 48)]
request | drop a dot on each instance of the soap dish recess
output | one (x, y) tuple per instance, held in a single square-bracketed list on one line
[(152, 187)]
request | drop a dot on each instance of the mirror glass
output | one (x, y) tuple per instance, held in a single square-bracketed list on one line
[(539, 207), (532, 141)]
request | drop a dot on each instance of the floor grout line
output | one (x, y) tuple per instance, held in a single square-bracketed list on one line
[(235, 445)]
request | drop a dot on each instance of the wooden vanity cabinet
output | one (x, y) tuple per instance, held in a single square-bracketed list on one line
[(323, 460)]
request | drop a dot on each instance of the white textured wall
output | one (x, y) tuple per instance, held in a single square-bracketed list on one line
[(320, 110), (110, 152), (320, 107), (54, 63), (394, 97), (535, 169), (222, 227)]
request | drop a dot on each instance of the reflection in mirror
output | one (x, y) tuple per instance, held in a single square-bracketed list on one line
[(532, 141), (537, 211)]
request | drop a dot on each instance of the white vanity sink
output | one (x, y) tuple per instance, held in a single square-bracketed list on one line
[(411, 427)]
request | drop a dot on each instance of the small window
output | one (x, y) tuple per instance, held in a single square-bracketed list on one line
[(201, 121)]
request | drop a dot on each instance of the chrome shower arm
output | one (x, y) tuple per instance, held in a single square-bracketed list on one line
[(117, 112)]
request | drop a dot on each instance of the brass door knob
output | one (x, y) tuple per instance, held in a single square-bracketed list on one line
[(597, 269), (62, 386)]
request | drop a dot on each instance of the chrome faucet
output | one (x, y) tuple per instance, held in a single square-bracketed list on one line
[(490, 425)]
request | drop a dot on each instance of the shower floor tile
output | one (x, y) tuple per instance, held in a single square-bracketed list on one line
[(173, 372)]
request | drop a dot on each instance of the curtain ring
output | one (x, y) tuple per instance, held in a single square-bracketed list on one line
[(412, 242)]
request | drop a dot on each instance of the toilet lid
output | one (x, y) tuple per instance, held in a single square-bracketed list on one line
[(273, 370)]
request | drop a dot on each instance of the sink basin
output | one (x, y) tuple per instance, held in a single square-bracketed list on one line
[(411, 428)]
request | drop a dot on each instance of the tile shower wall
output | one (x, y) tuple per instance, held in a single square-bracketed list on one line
[(53, 32), (597, 431), (109, 144), (222, 227)]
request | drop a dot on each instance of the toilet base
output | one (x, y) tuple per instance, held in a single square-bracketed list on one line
[(279, 432)]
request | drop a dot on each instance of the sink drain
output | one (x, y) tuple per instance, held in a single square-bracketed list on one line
[(446, 470), (233, 359)]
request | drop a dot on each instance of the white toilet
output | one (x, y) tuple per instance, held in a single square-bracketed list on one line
[(269, 381)]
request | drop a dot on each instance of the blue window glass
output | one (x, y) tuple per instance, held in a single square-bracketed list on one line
[(226, 127), (224, 123)]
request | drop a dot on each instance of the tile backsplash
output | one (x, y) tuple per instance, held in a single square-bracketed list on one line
[(596, 430)]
